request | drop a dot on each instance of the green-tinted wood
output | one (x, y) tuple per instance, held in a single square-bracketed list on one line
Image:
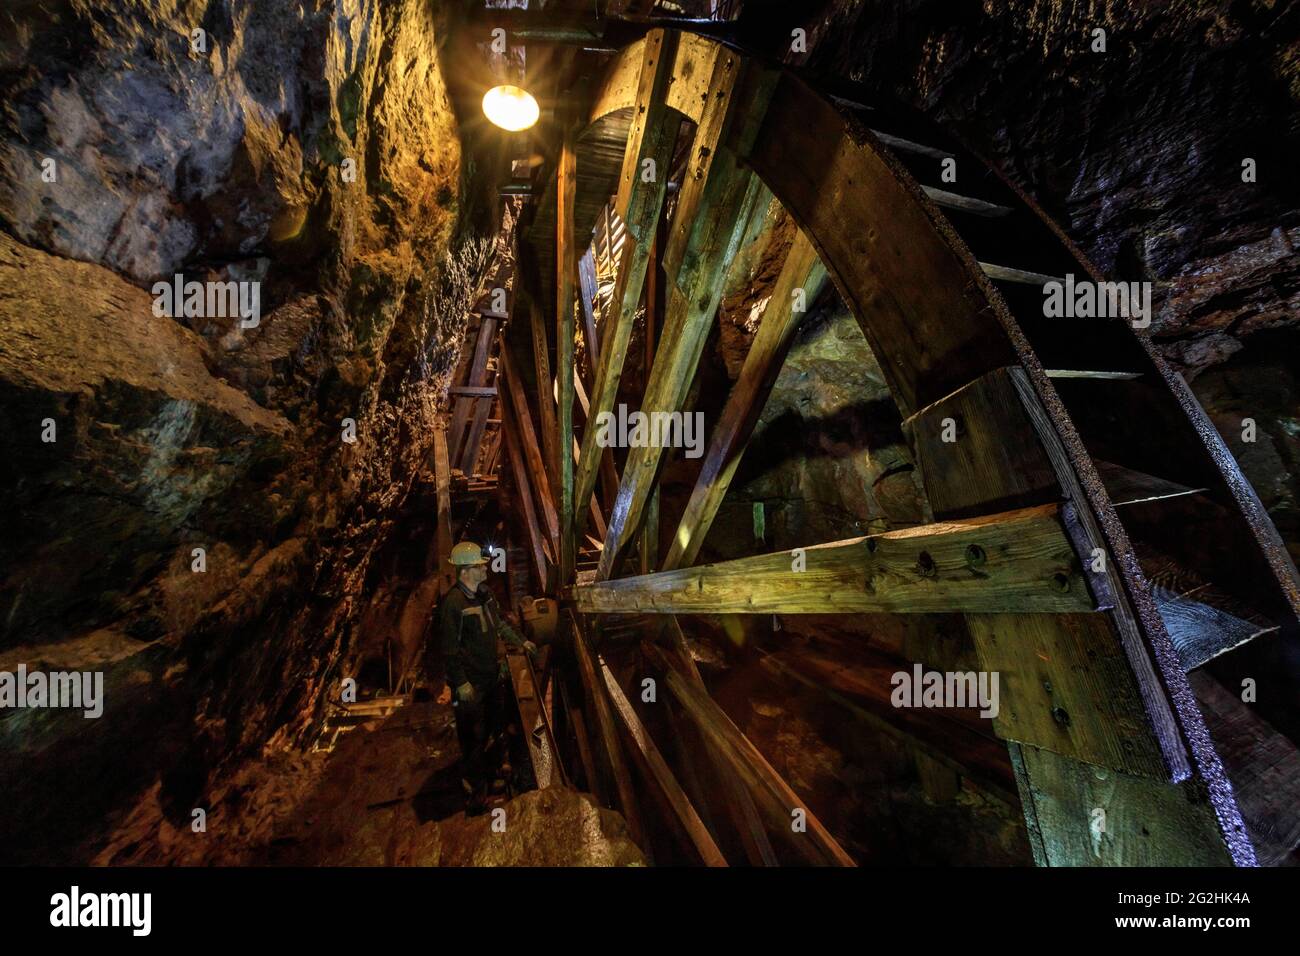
[(802, 272), (1020, 561), (643, 183)]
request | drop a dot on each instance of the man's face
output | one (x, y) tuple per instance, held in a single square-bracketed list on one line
[(473, 576)]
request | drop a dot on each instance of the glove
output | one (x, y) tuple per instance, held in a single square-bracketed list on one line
[(465, 693), (531, 648)]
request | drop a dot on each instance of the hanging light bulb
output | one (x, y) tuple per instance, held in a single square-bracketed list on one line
[(510, 107)]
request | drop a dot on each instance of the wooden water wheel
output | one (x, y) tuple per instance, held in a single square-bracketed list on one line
[(1093, 541)]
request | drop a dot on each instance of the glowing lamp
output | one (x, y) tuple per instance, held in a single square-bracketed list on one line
[(510, 107)]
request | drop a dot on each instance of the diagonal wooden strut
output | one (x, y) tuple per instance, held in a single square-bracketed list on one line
[(643, 183), (802, 274), (712, 214)]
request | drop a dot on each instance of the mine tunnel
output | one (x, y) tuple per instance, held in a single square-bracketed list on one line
[(861, 433)]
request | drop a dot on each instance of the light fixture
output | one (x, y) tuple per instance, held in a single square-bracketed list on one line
[(511, 107)]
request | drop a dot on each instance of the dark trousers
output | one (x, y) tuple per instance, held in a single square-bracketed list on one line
[(476, 725)]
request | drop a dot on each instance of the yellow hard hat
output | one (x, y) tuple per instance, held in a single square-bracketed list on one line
[(466, 554)]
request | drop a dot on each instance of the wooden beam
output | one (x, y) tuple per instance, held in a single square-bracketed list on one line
[(1020, 561), (573, 714), (566, 267), (640, 202), (802, 273), (1051, 667), (779, 803), (473, 391), (657, 771), (735, 798), (596, 695), (526, 497), (649, 542), (1079, 817), (608, 471), (712, 214), (532, 452), (547, 422), (547, 768), (588, 291), (442, 479)]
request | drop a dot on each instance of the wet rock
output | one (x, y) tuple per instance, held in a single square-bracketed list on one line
[(311, 148)]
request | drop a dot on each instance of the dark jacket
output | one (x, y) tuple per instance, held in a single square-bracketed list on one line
[(468, 629)]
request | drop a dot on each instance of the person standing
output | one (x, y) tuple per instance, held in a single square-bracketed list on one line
[(471, 631)]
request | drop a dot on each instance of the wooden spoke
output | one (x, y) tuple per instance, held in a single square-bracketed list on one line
[(712, 213), (779, 804), (526, 497), (546, 422), (803, 272), (641, 191), (532, 451), (596, 694), (442, 478), (566, 266), (656, 770), (588, 291), (608, 472), (1020, 561)]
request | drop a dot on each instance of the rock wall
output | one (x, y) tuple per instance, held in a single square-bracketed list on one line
[(306, 145)]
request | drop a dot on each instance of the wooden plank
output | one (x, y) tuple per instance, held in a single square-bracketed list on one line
[(979, 449), (574, 715), (1201, 632), (1060, 689), (547, 768), (1018, 276), (802, 270), (525, 497), (473, 391), (588, 292), (608, 471), (657, 771), (566, 266), (594, 691), (597, 519), (1085, 816), (649, 541), (652, 137), (1019, 561), (976, 207), (772, 794), (1128, 486), (547, 421), (712, 213), (442, 479), (1263, 764), (532, 452)]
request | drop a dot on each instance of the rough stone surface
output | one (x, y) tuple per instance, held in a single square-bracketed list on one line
[(388, 794), (233, 162)]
